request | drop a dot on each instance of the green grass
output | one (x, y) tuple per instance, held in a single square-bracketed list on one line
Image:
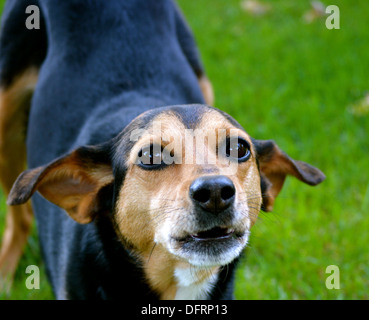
[(296, 83)]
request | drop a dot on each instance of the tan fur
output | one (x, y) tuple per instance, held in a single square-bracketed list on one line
[(207, 90), (275, 169), (153, 203), (14, 106), (67, 183)]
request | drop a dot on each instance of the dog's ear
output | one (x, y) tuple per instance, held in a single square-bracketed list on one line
[(275, 165), (75, 182)]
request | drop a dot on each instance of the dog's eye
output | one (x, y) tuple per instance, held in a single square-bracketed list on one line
[(150, 157), (238, 148)]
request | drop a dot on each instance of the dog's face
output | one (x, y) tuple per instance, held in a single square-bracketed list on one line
[(182, 192), (185, 181)]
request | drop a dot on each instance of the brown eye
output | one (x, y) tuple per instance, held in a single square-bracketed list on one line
[(238, 148), (150, 157)]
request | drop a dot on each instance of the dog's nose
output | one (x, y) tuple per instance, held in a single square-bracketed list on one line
[(213, 193)]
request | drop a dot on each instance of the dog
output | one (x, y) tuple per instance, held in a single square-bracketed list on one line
[(97, 102)]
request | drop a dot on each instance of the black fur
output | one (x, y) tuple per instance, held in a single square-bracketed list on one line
[(20, 48)]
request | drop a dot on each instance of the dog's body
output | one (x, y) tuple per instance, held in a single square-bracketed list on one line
[(98, 65)]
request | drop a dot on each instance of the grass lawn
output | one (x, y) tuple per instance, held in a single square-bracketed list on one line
[(303, 86)]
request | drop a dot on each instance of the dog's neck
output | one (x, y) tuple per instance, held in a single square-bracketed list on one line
[(173, 279), (166, 277), (194, 283)]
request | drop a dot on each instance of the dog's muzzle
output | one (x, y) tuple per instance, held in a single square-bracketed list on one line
[(216, 238)]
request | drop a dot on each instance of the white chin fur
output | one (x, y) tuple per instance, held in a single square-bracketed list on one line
[(205, 260)]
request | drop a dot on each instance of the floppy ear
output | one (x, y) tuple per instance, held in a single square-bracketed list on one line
[(275, 165), (75, 182)]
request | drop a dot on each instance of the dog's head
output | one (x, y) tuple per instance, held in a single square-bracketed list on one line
[(187, 179)]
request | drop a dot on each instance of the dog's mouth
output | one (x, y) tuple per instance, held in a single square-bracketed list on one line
[(214, 234), (212, 247)]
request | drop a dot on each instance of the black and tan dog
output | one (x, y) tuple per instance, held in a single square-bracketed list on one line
[(107, 97)]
